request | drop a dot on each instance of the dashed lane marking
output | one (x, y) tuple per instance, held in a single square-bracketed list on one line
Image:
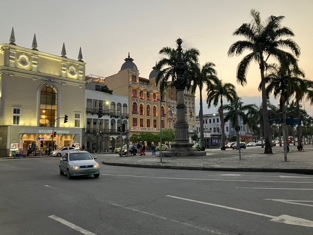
[(294, 202), (285, 219), (71, 225)]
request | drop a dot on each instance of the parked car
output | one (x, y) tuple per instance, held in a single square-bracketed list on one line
[(262, 143), (60, 152), (78, 163), (251, 144), (242, 145), (164, 147), (259, 143), (229, 145)]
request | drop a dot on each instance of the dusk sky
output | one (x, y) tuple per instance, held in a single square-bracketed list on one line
[(107, 30)]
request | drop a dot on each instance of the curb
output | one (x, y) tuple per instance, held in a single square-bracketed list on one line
[(284, 170)]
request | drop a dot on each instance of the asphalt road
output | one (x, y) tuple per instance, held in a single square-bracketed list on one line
[(35, 199)]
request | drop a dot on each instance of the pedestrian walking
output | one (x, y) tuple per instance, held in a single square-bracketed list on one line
[(139, 148), (143, 150), (153, 148)]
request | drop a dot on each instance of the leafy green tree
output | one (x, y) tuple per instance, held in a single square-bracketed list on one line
[(195, 137), (168, 135), (147, 137), (135, 138), (215, 94), (263, 40)]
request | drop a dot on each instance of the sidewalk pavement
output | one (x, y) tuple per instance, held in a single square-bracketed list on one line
[(252, 160)]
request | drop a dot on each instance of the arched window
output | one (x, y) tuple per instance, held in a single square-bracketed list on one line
[(135, 111), (154, 111), (141, 109), (124, 108), (48, 106), (148, 110), (162, 111)]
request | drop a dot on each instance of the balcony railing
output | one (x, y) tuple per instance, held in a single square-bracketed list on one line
[(109, 112), (95, 131)]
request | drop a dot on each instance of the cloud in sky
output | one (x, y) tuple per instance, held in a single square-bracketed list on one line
[(108, 30)]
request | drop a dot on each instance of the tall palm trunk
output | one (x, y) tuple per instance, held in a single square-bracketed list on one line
[(266, 125), (222, 125), (284, 126), (201, 122), (299, 130)]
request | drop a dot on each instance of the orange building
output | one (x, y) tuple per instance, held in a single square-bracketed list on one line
[(147, 113)]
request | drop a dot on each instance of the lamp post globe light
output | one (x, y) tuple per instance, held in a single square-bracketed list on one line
[(181, 146)]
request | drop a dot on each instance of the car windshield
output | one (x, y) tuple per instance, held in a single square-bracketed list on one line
[(80, 156)]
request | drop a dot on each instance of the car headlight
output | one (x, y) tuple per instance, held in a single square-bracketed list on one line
[(96, 166), (76, 168)]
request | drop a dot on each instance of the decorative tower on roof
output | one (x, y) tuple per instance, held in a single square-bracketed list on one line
[(63, 53), (34, 45), (129, 64), (80, 55), (12, 37)]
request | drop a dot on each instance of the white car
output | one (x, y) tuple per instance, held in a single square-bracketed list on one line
[(78, 163), (251, 144), (60, 152), (229, 145)]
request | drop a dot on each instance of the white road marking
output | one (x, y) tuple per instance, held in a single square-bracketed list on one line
[(219, 180), (294, 177), (285, 219), (170, 220), (297, 189), (71, 225), (294, 202), (230, 174)]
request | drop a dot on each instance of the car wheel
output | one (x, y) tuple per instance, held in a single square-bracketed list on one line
[(96, 175), (59, 155), (68, 174), (61, 172)]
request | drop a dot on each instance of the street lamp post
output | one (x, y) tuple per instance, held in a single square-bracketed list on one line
[(161, 153), (161, 129)]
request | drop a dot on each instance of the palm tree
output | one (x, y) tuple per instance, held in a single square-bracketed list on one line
[(215, 94), (236, 110), (303, 91), (198, 77), (255, 121), (264, 40), (283, 81), (166, 66)]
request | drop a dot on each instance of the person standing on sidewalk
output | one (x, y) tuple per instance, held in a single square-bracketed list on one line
[(139, 148), (143, 150), (153, 148)]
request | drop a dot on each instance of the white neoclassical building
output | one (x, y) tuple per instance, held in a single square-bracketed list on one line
[(109, 130), (37, 90)]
